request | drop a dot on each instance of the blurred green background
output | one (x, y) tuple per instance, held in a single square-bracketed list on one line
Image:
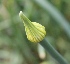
[(14, 46)]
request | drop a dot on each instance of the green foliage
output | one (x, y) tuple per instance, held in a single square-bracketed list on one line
[(13, 40)]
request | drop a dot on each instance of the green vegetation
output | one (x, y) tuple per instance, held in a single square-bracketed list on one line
[(14, 45)]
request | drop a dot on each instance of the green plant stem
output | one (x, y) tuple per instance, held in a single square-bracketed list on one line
[(48, 47), (56, 14)]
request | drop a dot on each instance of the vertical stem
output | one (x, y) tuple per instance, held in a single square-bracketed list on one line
[(48, 47), (56, 14)]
